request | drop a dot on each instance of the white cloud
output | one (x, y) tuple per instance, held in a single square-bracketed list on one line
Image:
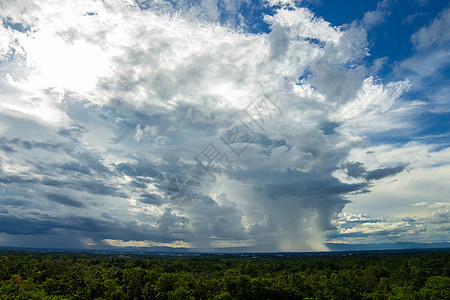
[(304, 24), (376, 17), (435, 34), (412, 192), (211, 9), (372, 99), (426, 68), (352, 228), (151, 131), (290, 3)]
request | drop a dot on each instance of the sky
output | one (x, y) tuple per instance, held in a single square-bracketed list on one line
[(224, 124)]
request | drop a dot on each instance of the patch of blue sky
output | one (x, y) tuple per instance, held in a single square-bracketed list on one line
[(341, 12), (252, 14), (243, 15), (7, 22), (429, 128), (390, 38), (435, 124), (393, 136)]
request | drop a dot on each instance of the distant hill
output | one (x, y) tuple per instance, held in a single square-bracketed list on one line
[(386, 246), (251, 249)]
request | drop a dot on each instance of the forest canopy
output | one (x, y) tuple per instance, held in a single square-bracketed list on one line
[(364, 275)]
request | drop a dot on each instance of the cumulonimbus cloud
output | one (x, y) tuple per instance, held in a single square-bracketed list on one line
[(103, 103)]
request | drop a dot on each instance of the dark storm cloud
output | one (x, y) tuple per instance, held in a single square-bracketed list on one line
[(208, 218), (355, 169), (143, 168), (15, 179), (441, 216), (169, 226), (169, 222), (308, 185), (40, 223), (50, 146), (384, 172), (326, 210), (7, 149), (91, 161), (75, 167), (67, 240), (64, 200), (96, 187), (17, 201), (268, 144), (18, 225), (328, 127), (73, 131), (28, 145), (139, 183), (150, 199), (337, 235)]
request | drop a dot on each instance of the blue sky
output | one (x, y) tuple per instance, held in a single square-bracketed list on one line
[(263, 125)]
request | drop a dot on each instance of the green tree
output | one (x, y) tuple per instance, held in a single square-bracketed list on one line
[(436, 287)]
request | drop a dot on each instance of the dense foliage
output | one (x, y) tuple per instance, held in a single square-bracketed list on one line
[(417, 275)]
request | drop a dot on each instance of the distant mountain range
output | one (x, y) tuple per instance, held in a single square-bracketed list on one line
[(386, 246), (333, 247)]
